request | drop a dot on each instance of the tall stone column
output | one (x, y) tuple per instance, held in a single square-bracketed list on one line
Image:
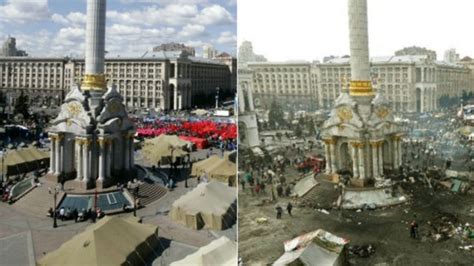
[(175, 98), (86, 160), (332, 147), (59, 155), (95, 36), (250, 97), (180, 99), (422, 99), (328, 156), (79, 159), (108, 163), (361, 161), (101, 160), (52, 154), (240, 94), (400, 153), (355, 167), (380, 148), (361, 86), (395, 152), (375, 165)]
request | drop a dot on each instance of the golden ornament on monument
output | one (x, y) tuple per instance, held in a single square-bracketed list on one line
[(74, 108), (382, 112), (344, 114)]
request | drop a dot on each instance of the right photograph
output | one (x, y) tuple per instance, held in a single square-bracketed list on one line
[(356, 132)]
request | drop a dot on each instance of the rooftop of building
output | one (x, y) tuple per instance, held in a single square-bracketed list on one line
[(289, 62), (148, 56)]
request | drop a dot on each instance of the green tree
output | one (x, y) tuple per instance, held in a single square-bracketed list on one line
[(275, 116), (291, 116), (298, 131), (22, 105)]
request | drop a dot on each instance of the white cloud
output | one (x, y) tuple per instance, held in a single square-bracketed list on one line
[(58, 18), (21, 11), (167, 2), (214, 15), (227, 37), (70, 36), (77, 18), (174, 15), (73, 18), (193, 30)]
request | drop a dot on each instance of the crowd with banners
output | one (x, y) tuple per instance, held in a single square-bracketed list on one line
[(203, 133)]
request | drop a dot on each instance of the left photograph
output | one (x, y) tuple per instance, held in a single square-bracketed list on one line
[(118, 132)]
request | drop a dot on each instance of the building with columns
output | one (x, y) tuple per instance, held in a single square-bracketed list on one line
[(92, 137), (411, 83), (248, 126), (166, 80), (360, 133)]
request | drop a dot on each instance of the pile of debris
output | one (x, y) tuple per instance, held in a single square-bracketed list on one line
[(443, 227), (362, 251)]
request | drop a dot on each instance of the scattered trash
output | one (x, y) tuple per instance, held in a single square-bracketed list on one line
[(468, 247), (323, 211), (359, 210), (261, 220), (363, 251)]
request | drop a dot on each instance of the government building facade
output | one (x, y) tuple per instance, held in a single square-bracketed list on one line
[(412, 83), (161, 80)]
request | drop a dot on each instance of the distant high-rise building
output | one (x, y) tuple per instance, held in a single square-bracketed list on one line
[(209, 52), (9, 48), (415, 50), (450, 56), (247, 55), (172, 47)]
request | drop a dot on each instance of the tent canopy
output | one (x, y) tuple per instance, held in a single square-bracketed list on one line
[(165, 148), (24, 160), (216, 167), (210, 205), (221, 251), (111, 241)]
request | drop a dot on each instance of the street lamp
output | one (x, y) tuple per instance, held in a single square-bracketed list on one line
[(135, 194), (217, 97), (55, 192), (3, 163)]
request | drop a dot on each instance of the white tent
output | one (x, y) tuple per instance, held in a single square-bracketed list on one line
[(221, 251), (210, 205)]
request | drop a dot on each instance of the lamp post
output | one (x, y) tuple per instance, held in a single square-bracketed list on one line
[(55, 213), (135, 194), (3, 163), (217, 97)]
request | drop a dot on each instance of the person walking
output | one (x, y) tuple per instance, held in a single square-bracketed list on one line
[(279, 211), (414, 229), (289, 207)]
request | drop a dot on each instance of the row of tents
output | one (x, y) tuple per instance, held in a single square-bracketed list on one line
[(216, 168), (24, 160), (125, 241)]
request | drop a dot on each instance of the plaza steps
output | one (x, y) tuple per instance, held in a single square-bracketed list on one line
[(149, 193)]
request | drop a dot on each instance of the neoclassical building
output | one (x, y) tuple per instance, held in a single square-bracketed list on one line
[(92, 137), (248, 126), (360, 134)]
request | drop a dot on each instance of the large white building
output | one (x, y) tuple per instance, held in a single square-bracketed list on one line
[(412, 83), (159, 80)]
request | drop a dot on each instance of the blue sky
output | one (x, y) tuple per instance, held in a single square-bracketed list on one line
[(57, 27)]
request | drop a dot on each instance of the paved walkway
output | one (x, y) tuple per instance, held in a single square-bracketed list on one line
[(26, 229)]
